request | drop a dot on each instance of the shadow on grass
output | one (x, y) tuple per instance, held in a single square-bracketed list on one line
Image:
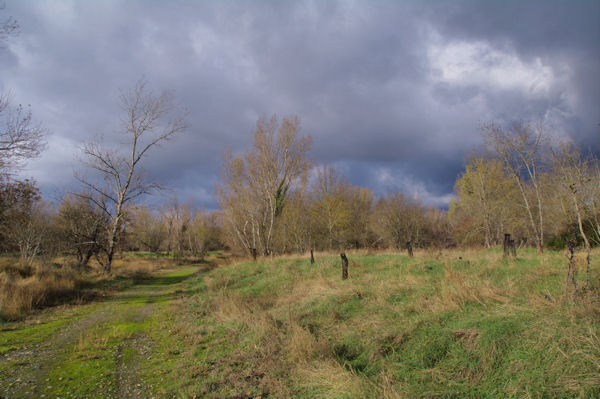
[(113, 289), (166, 278)]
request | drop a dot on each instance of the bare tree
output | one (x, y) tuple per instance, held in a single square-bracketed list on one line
[(330, 210), (177, 219), (149, 120), (29, 234), (520, 148), (20, 138), (82, 226), (17, 201), (149, 231), (255, 187), (397, 220), (575, 178), (483, 195)]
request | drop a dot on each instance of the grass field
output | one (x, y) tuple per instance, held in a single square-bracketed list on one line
[(429, 326)]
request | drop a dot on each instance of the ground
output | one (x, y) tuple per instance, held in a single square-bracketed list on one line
[(454, 324), (95, 350)]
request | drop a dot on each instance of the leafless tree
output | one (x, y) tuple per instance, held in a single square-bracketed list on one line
[(149, 120), (575, 176), (397, 219), (148, 230), (330, 210), (178, 219), (520, 148), (20, 137), (82, 226), (31, 233), (254, 188)]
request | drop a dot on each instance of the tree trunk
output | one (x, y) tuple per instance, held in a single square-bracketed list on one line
[(538, 237), (571, 270), (344, 266), (486, 216), (409, 248), (112, 240), (487, 230), (85, 260), (585, 240), (312, 257)]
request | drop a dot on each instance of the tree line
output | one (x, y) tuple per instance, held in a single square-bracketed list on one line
[(273, 199), (542, 190)]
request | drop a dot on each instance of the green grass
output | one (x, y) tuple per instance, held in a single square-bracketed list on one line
[(429, 326)]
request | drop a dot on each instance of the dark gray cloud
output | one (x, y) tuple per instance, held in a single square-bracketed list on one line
[(391, 92)]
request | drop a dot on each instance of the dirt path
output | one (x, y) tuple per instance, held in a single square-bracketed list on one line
[(28, 368), (31, 365)]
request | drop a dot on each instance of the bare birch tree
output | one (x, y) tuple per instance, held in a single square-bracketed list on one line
[(520, 148), (149, 120), (254, 188)]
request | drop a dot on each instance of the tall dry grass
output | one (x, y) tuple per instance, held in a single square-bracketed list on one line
[(48, 282), (21, 295)]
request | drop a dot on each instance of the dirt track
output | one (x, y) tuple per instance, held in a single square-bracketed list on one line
[(24, 372)]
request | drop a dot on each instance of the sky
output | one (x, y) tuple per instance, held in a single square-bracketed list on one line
[(392, 92)]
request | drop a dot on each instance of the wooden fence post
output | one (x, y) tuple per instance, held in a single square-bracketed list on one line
[(344, 266), (254, 254), (409, 248), (312, 257)]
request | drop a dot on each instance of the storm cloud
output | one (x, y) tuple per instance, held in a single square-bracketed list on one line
[(392, 93)]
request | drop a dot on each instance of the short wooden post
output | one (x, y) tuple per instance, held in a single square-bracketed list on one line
[(312, 257), (409, 248), (344, 266), (254, 254), (506, 244)]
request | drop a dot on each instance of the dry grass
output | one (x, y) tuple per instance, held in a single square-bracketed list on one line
[(48, 282), (460, 289), (20, 296), (376, 334), (328, 379)]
